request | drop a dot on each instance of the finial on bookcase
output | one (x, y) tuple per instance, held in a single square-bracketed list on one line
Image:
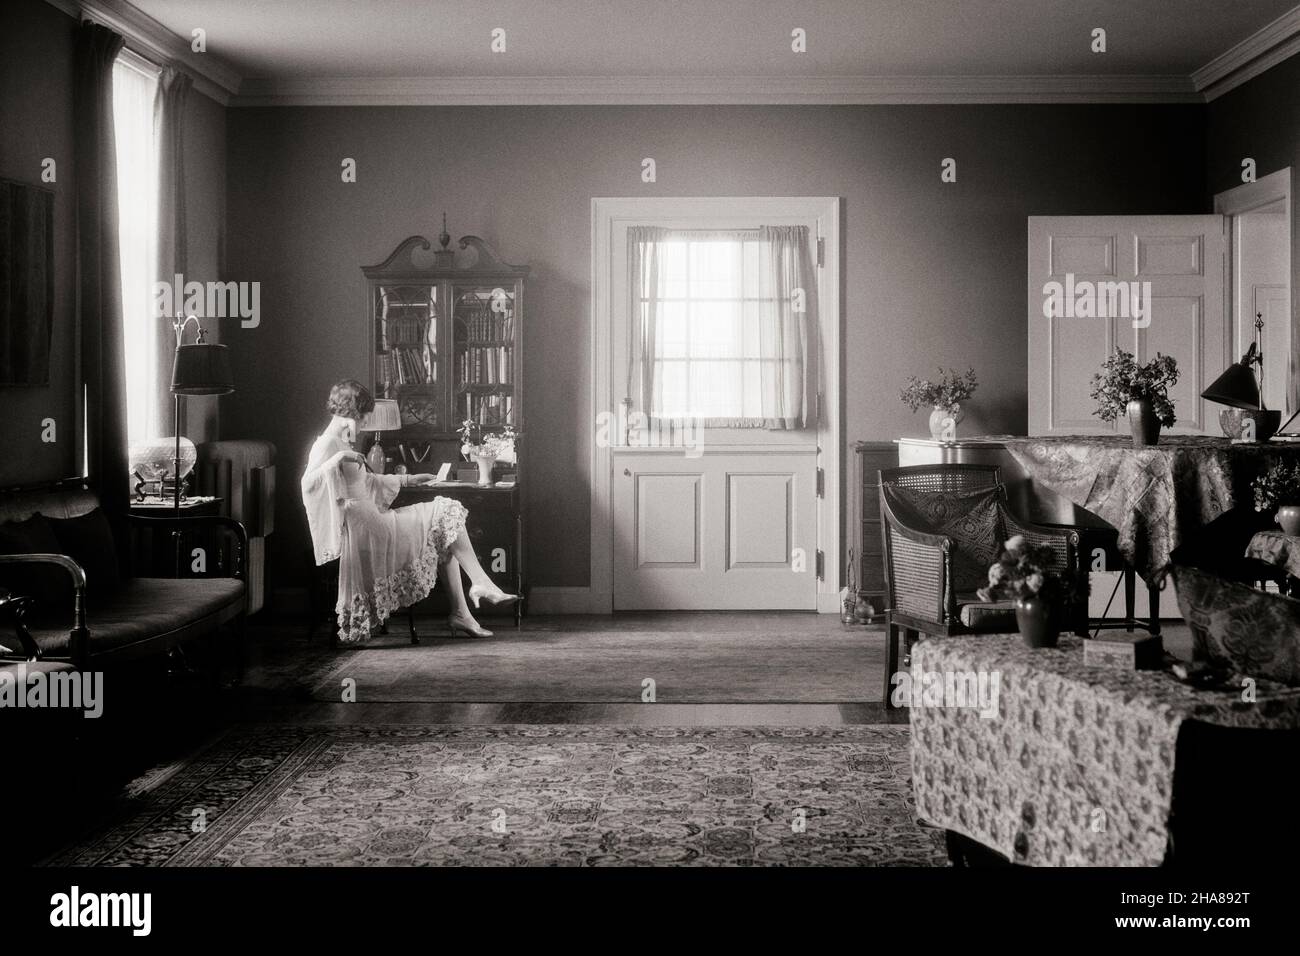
[(444, 237)]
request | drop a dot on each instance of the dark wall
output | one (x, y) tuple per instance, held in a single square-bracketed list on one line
[(1259, 119), (36, 43), (934, 273)]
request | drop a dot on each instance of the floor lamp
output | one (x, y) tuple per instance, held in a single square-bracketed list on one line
[(202, 368)]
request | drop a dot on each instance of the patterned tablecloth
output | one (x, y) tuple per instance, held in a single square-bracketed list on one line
[(1276, 547), (1075, 766), (1157, 497)]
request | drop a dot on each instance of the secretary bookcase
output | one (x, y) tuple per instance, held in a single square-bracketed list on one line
[(445, 341), (445, 334)]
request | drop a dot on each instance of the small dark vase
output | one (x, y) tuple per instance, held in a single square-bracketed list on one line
[(1038, 625), (1288, 519), (1144, 424)]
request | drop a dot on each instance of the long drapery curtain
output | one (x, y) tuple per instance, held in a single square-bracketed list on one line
[(99, 289), (135, 92), (172, 254), (720, 327)]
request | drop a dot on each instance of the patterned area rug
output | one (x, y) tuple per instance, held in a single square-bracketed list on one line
[(563, 795)]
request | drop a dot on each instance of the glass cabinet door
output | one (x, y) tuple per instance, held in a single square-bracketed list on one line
[(407, 356), (484, 370)]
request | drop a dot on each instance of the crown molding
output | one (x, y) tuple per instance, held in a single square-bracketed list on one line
[(1251, 57), (686, 90), (213, 77), (217, 79)]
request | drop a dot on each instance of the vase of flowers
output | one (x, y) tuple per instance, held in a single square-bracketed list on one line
[(944, 397), (1140, 392), (486, 448), (1026, 573), (1279, 487)]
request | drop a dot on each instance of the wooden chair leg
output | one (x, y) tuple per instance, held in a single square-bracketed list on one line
[(1130, 597), (1153, 599), (891, 661), (910, 637)]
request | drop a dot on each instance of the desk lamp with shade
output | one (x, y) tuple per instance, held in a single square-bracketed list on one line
[(384, 417), (1246, 420), (202, 368)]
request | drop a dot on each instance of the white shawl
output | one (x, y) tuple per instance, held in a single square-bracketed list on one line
[(324, 493)]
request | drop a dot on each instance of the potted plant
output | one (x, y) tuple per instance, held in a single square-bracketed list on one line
[(1026, 573), (944, 397), (1123, 387), (486, 448), (1279, 487)]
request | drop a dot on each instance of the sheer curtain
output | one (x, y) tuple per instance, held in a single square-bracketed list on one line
[(720, 326), (135, 87)]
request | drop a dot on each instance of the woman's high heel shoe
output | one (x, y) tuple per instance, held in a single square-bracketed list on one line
[(467, 626), (493, 595)]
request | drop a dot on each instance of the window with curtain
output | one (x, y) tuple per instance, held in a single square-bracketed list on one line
[(135, 86), (720, 326)]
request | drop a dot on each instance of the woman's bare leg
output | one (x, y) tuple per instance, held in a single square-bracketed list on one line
[(455, 592), (463, 553)]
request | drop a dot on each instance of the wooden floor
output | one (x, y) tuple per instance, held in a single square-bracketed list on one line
[(284, 667)]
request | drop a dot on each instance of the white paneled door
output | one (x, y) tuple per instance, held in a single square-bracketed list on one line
[(725, 531), (1092, 268)]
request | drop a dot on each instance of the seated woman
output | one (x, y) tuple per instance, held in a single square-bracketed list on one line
[(389, 558)]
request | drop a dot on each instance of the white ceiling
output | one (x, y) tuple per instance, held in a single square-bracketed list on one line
[(277, 45)]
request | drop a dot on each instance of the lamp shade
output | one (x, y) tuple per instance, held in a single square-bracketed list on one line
[(1235, 387), (202, 369), (384, 417)]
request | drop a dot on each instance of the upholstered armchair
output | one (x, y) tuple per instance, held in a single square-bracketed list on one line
[(943, 526)]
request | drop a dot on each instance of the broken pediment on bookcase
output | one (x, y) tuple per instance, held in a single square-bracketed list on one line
[(415, 257)]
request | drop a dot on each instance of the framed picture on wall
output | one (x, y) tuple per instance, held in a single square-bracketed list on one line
[(26, 283)]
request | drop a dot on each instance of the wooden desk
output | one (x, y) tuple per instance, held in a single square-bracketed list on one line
[(495, 528)]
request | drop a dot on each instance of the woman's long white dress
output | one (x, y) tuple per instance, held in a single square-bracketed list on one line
[(388, 557)]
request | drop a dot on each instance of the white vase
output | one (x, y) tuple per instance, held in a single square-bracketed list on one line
[(943, 423), (485, 463)]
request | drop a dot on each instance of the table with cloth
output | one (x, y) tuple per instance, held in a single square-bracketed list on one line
[(1076, 766), (1277, 548), (1157, 497)]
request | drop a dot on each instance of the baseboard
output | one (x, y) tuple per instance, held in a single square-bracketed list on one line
[(541, 600)]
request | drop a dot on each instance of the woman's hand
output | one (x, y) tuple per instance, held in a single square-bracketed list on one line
[(421, 479), (349, 455)]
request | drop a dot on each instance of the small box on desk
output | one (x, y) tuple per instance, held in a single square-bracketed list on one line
[(1124, 651)]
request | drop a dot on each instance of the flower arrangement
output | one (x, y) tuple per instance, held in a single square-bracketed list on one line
[(476, 441), (1026, 570), (948, 393), (1278, 485), (1122, 380)]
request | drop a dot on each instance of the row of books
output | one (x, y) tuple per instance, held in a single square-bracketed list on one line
[(408, 366), (405, 329), (484, 325), (484, 366), (490, 409)]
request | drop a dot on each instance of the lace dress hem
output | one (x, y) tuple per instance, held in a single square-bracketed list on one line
[(362, 613)]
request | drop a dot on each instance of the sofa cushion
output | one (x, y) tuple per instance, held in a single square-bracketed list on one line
[(88, 540), (144, 608), (49, 584)]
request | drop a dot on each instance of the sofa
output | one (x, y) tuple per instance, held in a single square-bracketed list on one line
[(59, 548)]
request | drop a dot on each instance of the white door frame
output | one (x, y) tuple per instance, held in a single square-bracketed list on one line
[(1246, 198), (606, 214)]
